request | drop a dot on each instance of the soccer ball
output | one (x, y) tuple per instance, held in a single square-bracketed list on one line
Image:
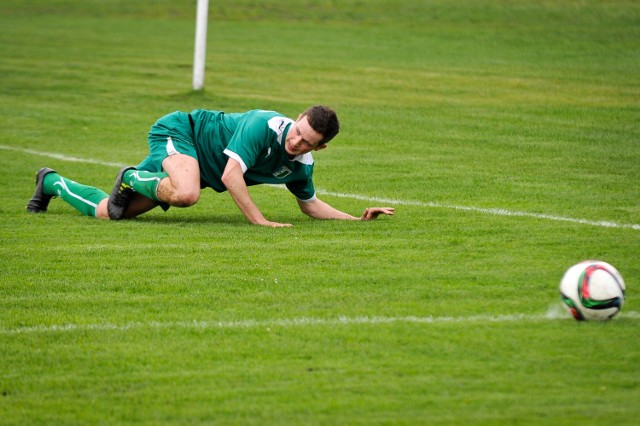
[(592, 290)]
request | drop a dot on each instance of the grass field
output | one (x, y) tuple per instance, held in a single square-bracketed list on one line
[(506, 134)]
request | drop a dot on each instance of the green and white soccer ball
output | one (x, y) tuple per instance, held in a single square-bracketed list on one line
[(592, 290)]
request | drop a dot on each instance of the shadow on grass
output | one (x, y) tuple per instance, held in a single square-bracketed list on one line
[(192, 219)]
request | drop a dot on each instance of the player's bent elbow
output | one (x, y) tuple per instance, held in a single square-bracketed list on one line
[(228, 179), (308, 213), (306, 208)]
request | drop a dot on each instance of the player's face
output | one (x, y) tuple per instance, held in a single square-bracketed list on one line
[(302, 138)]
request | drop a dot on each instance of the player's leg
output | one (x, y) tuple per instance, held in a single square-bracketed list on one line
[(120, 197), (138, 205), (134, 193), (170, 175), (182, 187), (178, 185), (49, 184)]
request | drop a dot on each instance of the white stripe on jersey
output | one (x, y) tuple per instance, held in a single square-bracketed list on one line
[(236, 157), (304, 159), (171, 150), (278, 124)]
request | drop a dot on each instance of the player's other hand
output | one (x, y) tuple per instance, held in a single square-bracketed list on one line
[(373, 212), (275, 224)]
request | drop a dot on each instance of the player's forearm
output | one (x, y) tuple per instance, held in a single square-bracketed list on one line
[(318, 209), (234, 181), (247, 206)]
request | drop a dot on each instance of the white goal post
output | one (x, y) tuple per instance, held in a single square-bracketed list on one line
[(201, 44)]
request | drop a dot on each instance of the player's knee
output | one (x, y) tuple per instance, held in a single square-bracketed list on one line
[(187, 198)]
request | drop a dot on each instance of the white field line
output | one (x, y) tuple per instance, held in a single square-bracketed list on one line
[(492, 211), (61, 157), (386, 201), (301, 322)]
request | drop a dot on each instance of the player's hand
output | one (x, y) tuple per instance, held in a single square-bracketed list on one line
[(275, 224), (373, 212)]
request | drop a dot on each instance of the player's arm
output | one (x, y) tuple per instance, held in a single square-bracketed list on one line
[(233, 179), (318, 209)]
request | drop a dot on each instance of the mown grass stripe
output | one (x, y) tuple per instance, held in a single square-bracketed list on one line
[(388, 201)]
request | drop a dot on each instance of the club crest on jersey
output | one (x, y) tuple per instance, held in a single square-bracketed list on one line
[(283, 172)]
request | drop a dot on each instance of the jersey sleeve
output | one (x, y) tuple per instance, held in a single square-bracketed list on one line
[(249, 139), (302, 189)]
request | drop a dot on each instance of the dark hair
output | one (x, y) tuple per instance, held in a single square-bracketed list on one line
[(324, 121)]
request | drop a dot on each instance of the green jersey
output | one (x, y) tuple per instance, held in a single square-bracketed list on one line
[(256, 140)]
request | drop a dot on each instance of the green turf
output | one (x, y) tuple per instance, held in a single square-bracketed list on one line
[(438, 315)]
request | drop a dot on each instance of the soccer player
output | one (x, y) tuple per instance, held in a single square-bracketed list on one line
[(226, 152)]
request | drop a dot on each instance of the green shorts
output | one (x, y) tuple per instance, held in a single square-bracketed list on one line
[(171, 134)]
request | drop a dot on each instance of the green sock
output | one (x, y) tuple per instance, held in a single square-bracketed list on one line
[(145, 183), (83, 198)]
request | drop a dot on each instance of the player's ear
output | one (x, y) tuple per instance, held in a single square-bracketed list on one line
[(319, 147)]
